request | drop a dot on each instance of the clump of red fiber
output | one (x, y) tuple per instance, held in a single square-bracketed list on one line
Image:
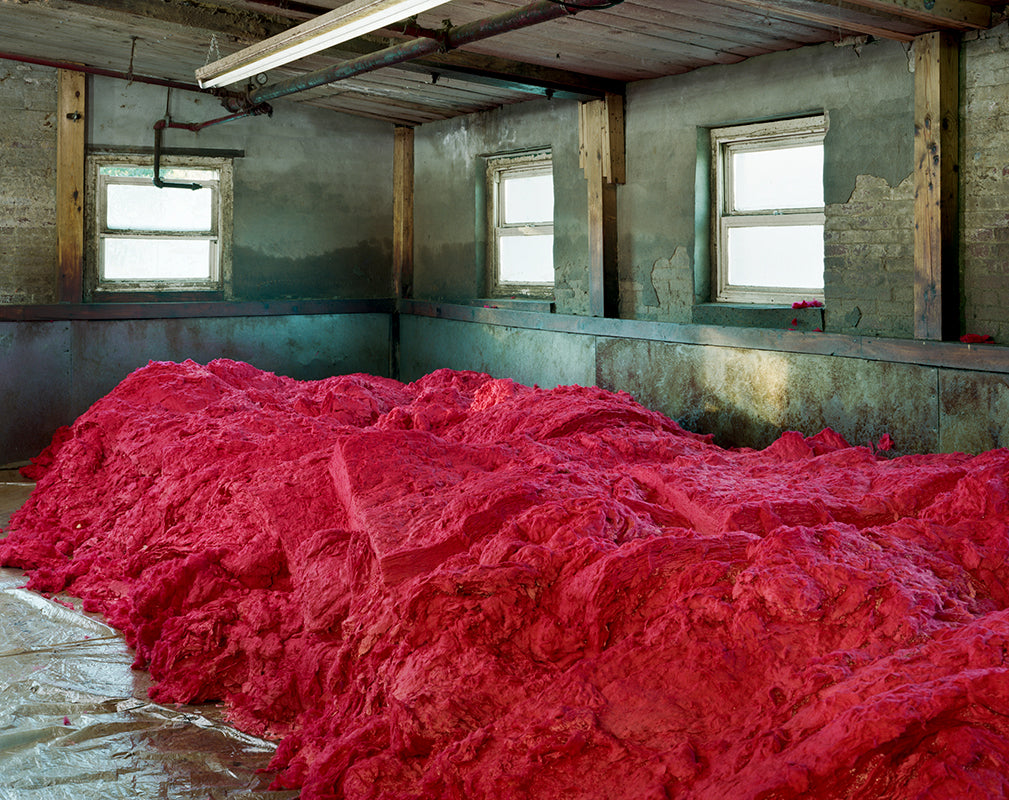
[(467, 588)]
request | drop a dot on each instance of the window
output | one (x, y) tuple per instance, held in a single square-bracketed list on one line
[(768, 215), (147, 238), (521, 210)]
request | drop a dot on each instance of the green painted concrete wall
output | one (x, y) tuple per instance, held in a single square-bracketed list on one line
[(743, 397), (450, 198), (542, 358), (312, 195), (53, 371)]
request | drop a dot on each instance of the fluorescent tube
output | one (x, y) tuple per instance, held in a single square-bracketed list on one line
[(353, 19)]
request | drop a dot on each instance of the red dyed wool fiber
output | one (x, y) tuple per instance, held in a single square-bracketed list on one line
[(464, 588)]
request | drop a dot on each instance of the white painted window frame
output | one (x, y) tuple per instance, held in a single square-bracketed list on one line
[(219, 234), (757, 136), (539, 162)]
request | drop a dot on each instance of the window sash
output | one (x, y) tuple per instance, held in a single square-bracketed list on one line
[(105, 182), (499, 171), (749, 138), (178, 275), (764, 293)]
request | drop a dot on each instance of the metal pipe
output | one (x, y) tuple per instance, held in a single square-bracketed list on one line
[(512, 20), (108, 73), (158, 130), (195, 127)]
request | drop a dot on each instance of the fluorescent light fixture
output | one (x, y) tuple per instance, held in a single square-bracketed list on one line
[(353, 19)]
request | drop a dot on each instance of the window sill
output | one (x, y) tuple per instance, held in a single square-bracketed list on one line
[(537, 304), (157, 296), (745, 315)]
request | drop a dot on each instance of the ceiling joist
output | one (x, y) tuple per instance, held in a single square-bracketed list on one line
[(959, 14)]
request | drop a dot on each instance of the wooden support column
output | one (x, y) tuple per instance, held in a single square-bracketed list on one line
[(402, 213), (70, 136), (601, 154), (936, 167)]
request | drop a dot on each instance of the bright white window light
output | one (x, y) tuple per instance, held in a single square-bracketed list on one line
[(346, 22)]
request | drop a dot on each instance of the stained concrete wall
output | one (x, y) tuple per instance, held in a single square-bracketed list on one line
[(541, 358), (663, 209), (749, 397), (984, 175), (743, 396), (27, 183), (313, 193), (51, 372), (450, 201)]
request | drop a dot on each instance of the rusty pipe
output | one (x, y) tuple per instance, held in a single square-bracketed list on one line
[(225, 95), (195, 127)]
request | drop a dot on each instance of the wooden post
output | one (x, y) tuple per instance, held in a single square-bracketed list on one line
[(70, 140), (936, 166), (601, 153), (402, 213)]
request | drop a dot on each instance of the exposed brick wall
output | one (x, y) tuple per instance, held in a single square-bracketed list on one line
[(869, 260), (984, 165), (28, 252)]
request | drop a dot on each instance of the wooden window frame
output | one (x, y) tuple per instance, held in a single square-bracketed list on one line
[(741, 138), (217, 285), (528, 164)]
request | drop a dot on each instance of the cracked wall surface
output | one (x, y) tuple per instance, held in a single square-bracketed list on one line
[(28, 252), (869, 260), (984, 175)]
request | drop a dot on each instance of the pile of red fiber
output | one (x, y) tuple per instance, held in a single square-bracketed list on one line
[(467, 588)]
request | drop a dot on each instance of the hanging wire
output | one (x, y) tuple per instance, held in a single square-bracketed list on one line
[(213, 52), (133, 52)]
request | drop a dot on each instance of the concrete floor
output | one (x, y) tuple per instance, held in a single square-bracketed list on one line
[(75, 722)]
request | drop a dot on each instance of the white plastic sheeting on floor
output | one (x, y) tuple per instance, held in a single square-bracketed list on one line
[(75, 723)]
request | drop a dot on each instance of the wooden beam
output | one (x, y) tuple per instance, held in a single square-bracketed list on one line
[(840, 16), (70, 142), (601, 155), (936, 168), (402, 213), (958, 14), (243, 25), (249, 25)]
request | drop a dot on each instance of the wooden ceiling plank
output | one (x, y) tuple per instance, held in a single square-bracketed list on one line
[(767, 24), (829, 16), (223, 18), (959, 14)]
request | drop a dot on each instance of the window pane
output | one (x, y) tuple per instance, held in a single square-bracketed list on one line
[(527, 198), (790, 177), (788, 256), (167, 173), (148, 208), (526, 259), (157, 259)]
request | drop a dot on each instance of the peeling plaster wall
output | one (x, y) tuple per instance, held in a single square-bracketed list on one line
[(28, 252), (869, 260), (868, 94), (312, 219), (984, 175), (312, 195)]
